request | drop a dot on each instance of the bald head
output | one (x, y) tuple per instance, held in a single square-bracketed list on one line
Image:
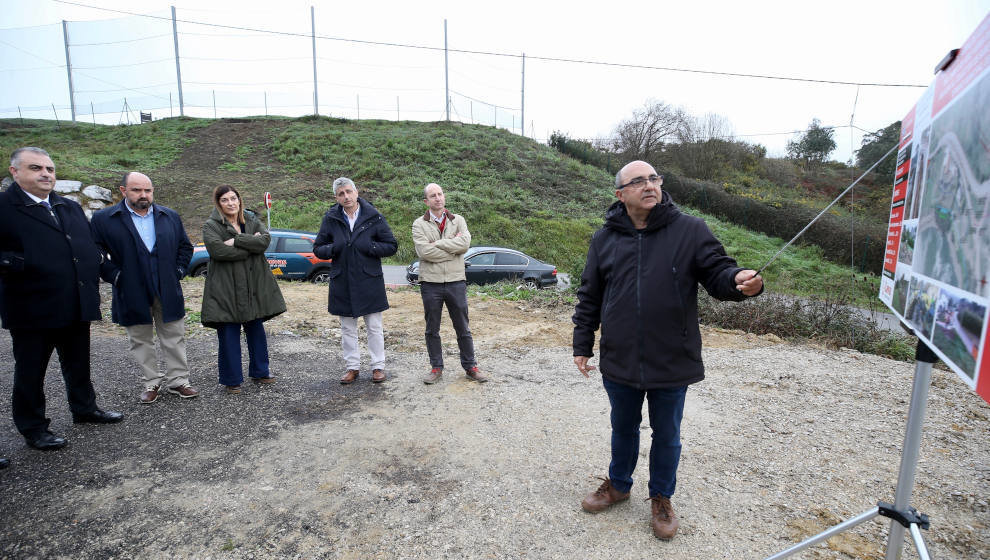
[(434, 198), (138, 191)]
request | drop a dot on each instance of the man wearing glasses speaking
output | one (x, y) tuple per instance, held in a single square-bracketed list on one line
[(640, 284)]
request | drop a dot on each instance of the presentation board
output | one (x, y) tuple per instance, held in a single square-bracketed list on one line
[(936, 270)]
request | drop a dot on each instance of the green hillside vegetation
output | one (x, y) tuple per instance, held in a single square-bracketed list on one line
[(514, 191)]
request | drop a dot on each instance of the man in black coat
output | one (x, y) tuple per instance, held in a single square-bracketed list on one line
[(640, 284), (147, 253), (357, 237), (49, 292)]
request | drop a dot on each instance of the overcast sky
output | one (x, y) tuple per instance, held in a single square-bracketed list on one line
[(862, 41)]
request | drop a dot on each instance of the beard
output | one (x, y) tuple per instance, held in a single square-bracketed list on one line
[(142, 204)]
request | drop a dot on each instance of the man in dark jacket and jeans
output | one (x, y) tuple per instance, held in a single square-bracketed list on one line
[(356, 236), (640, 284)]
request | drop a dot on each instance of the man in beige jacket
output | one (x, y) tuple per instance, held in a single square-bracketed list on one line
[(441, 239)]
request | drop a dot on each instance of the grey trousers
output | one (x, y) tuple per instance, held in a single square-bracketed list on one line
[(454, 295), (171, 337)]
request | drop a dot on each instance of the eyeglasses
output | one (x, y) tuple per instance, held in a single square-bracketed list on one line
[(640, 182)]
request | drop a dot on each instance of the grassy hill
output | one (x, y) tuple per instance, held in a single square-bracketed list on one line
[(514, 191)]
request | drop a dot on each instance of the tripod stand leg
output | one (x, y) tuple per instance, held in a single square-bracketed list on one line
[(912, 444), (845, 525), (919, 542)]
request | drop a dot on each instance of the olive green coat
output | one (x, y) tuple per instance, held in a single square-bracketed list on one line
[(239, 283)]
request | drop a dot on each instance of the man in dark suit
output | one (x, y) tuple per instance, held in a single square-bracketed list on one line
[(148, 252), (49, 292)]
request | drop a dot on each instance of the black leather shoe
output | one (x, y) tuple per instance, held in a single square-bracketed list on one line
[(47, 441), (4, 463), (98, 417)]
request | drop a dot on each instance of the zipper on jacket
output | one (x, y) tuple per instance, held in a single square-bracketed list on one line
[(680, 298), (639, 308)]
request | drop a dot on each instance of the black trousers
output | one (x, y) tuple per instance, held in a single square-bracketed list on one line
[(454, 295), (32, 351)]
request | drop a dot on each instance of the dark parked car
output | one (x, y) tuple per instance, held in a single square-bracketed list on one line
[(486, 265), (290, 255)]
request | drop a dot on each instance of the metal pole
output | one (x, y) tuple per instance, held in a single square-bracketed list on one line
[(912, 445), (861, 518), (266, 103), (495, 110), (396, 108), (170, 115), (21, 115), (92, 112), (178, 71), (522, 117), (57, 124), (359, 106), (316, 97), (446, 71), (68, 69), (214, 103), (472, 112)]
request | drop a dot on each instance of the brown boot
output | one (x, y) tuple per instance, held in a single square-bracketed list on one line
[(664, 521), (605, 497), (349, 377)]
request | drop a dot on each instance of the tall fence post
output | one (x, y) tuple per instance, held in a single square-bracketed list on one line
[(214, 103), (396, 108), (316, 96), (68, 69), (57, 124), (446, 71), (266, 103), (92, 112), (522, 104), (178, 70), (170, 115), (359, 106), (20, 115)]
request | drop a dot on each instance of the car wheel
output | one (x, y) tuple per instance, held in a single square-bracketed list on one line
[(320, 277), (199, 271), (532, 284)]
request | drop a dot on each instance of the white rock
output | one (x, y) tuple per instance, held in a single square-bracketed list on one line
[(89, 213), (5, 182), (96, 204), (63, 186), (98, 193), (73, 198)]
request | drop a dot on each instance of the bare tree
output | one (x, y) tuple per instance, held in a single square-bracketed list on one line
[(643, 135)]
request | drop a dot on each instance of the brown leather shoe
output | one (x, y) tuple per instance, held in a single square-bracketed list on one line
[(349, 377), (475, 374), (605, 497), (377, 376), (233, 389), (264, 380), (184, 391), (151, 395), (433, 376), (664, 521)]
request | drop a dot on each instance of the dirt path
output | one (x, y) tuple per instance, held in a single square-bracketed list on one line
[(780, 441)]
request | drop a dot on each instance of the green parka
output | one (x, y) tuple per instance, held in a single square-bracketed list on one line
[(239, 286)]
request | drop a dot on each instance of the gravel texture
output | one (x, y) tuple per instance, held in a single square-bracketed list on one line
[(780, 442)]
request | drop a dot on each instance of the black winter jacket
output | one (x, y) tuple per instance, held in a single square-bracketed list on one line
[(641, 286), (357, 286)]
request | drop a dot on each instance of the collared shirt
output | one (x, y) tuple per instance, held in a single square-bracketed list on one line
[(45, 201), (441, 221), (145, 225), (34, 198), (350, 220)]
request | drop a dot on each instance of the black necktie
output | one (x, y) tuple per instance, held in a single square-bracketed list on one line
[(50, 211)]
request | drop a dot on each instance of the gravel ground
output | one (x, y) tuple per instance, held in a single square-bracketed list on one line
[(780, 442)]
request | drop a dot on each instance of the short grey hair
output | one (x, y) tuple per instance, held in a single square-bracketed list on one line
[(618, 179), (15, 158), (342, 182)]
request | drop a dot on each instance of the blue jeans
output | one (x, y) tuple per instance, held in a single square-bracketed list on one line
[(229, 359), (666, 407)]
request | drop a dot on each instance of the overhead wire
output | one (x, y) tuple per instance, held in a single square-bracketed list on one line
[(501, 54)]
